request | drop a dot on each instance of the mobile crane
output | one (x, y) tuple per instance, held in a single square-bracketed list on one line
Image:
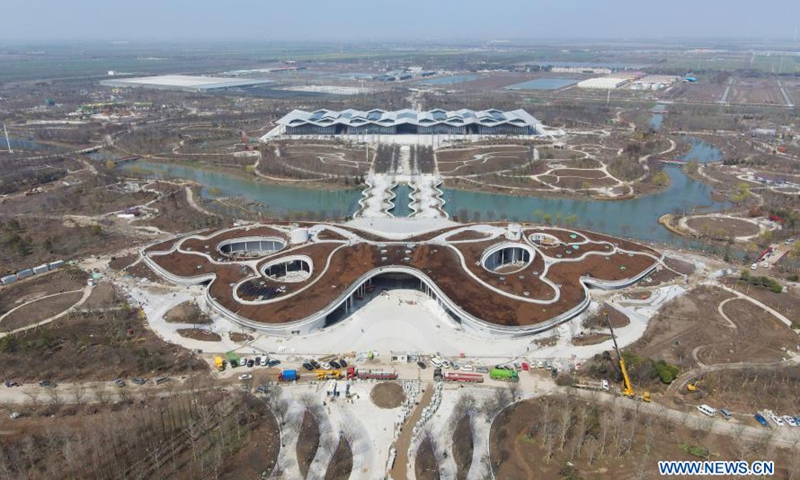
[(628, 388)]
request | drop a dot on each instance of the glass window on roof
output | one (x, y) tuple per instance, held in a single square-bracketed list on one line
[(374, 115), (439, 115)]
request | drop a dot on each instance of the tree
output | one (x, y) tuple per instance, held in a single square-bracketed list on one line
[(661, 179)]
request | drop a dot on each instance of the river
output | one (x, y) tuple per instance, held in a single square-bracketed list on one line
[(637, 218)]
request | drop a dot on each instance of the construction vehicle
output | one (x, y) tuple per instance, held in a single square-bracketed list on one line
[(627, 387), (692, 386), (328, 374), (219, 362), (463, 377), (503, 374), (352, 373)]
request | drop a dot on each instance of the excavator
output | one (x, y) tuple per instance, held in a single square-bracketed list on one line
[(628, 388), (693, 385)]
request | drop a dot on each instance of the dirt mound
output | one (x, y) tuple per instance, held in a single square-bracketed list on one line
[(342, 462), (199, 334), (387, 395), (187, 312), (463, 447), (425, 466), (307, 443)]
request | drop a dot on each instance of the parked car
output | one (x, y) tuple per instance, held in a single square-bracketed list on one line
[(264, 361), (539, 364), (467, 368), (447, 364), (47, 384), (325, 365), (753, 266), (335, 364), (257, 361), (554, 372), (525, 366), (10, 384), (139, 381), (308, 366), (160, 380), (548, 365), (261, 389), (421, 365), (482, 370), (119, 383), (245, 376), (777, 420), (789, 420), (251, 362), (760, 419), (436, 362), (342, 363), (273, 363), (315, 363)]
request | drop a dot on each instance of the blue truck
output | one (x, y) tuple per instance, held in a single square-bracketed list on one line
[(288, 376)]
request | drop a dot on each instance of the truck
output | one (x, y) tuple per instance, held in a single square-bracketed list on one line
[(463, 377), (353, 372), (219, 362), (503, 374), (288, 376), (601, 385)]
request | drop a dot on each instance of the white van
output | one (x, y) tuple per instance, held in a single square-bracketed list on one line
[(706, 410)]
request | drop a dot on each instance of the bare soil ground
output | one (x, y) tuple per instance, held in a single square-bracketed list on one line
[(240, 337), (591, 339), (730, 226), (187, 312), (123, 262), (463, 447), (94, 198), (104, 295), (16, 294), (387, 395), (787, 303), (691, 325), (307, 443), (200, 334), (472, 161), (49, 239), (660, 277), (259, 453), (679, 266), (557, 437), (743, 390), (122, 433), (39, 310), (99, 345), (617, 318), (425, 465), (176, 215), (342, 462)]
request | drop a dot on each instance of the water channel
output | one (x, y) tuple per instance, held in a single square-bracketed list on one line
[(637, 218)]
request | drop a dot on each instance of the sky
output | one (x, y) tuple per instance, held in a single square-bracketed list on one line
[(414, 20)]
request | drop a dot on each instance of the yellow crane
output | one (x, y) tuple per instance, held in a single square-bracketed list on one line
[(628, 388)]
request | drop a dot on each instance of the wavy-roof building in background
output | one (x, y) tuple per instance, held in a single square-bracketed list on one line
[(410, 122)]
